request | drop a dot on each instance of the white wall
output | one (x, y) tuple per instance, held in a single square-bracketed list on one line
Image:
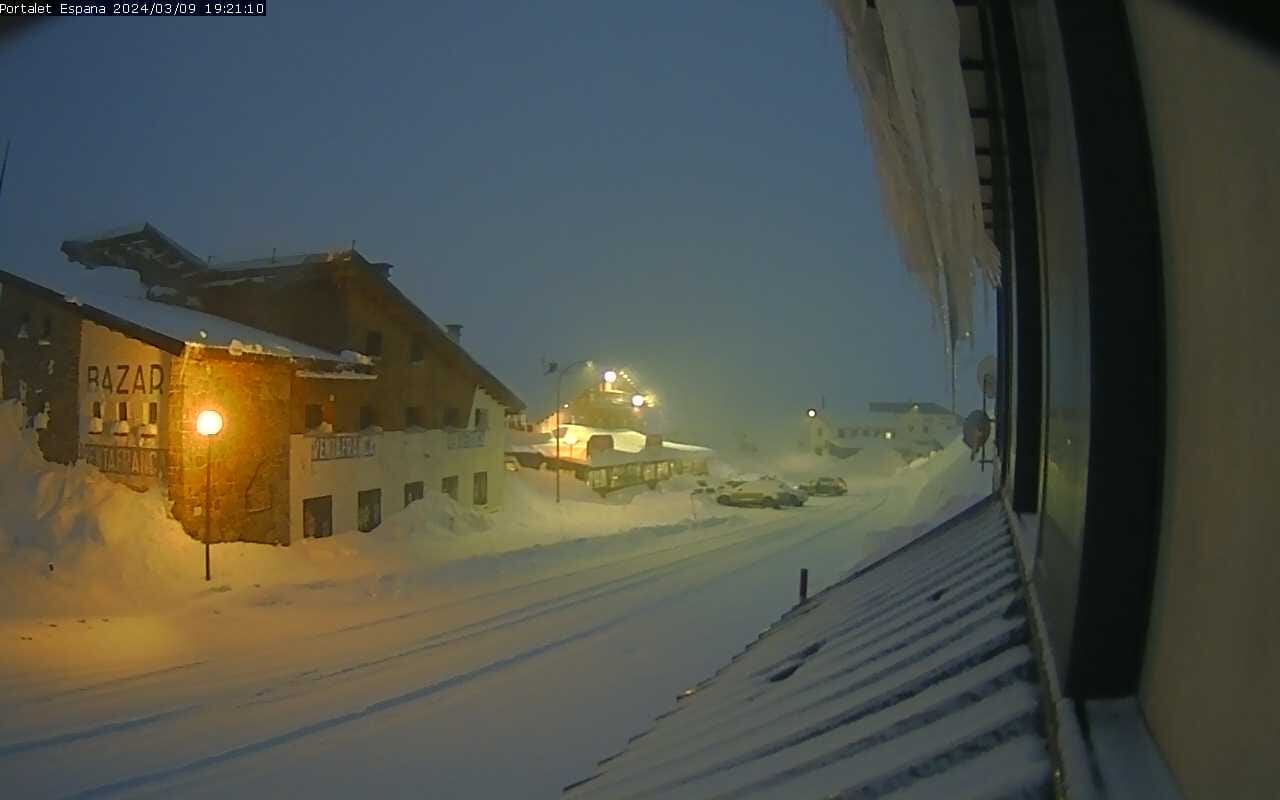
[(398, 457), (115, 369), (1213, 648)]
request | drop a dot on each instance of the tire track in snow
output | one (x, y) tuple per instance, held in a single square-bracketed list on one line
[(318, 726), (513, 617), (429, 690), (15, 748)]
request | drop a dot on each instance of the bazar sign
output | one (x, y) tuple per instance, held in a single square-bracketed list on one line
[(142, 461), (330, 448)]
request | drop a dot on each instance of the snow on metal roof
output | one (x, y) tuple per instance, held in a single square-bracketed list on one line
[(195, 327), (912, 677), (119, 301)]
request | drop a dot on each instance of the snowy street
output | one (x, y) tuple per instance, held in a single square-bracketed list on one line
[(499, 686)]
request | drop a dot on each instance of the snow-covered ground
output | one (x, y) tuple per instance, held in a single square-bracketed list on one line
[(450, 653)]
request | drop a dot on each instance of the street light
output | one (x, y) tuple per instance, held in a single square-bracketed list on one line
[(554, 367), (813, 412), (208, 425), (610, 376), (637, 400)]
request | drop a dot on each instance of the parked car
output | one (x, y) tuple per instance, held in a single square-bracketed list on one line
[(789, 493), (511, 464), (763, 493), (827, 487)]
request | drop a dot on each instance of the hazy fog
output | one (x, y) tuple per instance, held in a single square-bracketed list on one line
[(679, 188)]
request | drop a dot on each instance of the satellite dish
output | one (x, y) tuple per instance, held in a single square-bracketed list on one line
[(987, 376), (977, 427)]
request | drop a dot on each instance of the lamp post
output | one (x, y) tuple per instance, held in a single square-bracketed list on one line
[(554, 367), (208, 425)]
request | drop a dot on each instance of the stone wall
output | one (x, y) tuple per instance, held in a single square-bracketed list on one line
[(40, 347), (250, 457)]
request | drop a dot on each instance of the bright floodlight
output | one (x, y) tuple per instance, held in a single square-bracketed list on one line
[(637, 400), (208, 422), (610, 376), (813, 412), (570, 439)]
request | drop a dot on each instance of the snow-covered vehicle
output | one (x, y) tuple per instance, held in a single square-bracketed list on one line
[(827, 487), (762, 493)]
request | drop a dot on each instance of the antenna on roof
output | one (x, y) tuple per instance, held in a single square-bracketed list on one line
[(273, 255)]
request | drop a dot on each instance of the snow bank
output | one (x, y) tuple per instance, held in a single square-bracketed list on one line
[(74, 543), (69, 534)]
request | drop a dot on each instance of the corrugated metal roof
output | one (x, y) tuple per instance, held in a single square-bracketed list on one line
[(913, 677)]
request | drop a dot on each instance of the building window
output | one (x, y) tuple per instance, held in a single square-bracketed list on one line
[(46, 333), (417, 351), (366, 417), (153, 413), (24, 325), (449, 486), (97, 409), (369, 509), (122, 411), (480, 489), (317, 517), (315, 416), (452, 418), (413, 491), (482, 419), (413, 417), (373, 344)]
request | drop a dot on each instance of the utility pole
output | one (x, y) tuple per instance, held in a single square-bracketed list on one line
[(555, 367)]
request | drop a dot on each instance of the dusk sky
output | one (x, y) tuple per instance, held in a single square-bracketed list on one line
[(682, 189)]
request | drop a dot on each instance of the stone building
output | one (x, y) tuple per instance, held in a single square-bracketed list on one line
[(343, 402)]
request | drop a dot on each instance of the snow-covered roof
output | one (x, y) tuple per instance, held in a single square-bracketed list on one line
[(628, 446), (118, 302), (914, 675)]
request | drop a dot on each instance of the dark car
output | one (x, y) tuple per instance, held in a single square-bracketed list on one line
[(827, 487)]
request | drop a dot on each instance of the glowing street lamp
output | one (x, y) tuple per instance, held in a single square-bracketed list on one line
[(811, 413), (610, 376), (637, 401), (208, 425)]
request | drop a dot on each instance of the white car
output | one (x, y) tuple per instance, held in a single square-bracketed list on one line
[(763, 493)]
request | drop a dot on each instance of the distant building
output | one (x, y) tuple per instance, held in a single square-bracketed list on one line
[(342, 400), (605, 440), (621, 404), (911, 429)]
